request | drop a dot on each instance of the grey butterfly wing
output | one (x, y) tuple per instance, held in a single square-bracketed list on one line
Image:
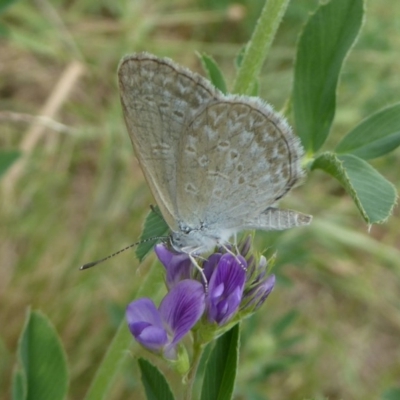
[(158, 98), (237, 159)]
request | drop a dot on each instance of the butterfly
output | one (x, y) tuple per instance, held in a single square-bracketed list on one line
[(216, 164)]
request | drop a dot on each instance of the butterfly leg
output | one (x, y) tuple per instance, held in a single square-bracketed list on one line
[(197, 266), (228, 250)]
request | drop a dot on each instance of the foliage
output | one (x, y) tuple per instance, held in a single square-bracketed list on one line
[(42, 220)]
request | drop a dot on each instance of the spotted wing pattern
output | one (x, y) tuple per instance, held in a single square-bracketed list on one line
[(158, 99), (236, 159), (215, 163)]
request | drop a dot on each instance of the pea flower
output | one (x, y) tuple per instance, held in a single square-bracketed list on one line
[(258, 283), (178, 265), (225, 288), (257, 290), (225, 275), (236, 286), (160, 330)]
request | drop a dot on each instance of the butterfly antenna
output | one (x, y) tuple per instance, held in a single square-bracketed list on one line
[(93, 263)]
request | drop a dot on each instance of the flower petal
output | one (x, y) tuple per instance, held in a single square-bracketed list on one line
[(182, 307), (153, 338), (143, 310), (264, 289), (178, 265), (225, 288), (258, 293), (145, 324), (230, 271), (210, 264)]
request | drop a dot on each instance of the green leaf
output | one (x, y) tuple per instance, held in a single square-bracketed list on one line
[(154, 227), (323, 45), (7, 157), (391, 394), (284, 364), (213, 71), (221, 368), (4, 31), (4, 4), (154, 382), (19, 389), (286, 344), (239, 57), (42, 359), (375, 136), (280, 326), (373, 194)]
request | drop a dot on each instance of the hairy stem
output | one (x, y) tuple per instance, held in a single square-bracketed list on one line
[(191, 376)]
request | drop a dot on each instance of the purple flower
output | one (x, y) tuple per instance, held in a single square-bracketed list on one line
[(225, 288), (210, 265), (161, 329), (259, 293), (177, 265), (259, 286), (237, 285), (146, 325)]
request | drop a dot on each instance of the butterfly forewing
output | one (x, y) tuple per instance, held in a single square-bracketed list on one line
[(158, 98)]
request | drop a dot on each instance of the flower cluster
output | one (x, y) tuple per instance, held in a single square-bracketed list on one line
[(236, 286)]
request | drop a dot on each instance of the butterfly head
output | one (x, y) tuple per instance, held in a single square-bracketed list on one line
[(197, 240)]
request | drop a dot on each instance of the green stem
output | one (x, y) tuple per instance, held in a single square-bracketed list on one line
[(118, 349), (259, 44), (191, 376), (110, 365)]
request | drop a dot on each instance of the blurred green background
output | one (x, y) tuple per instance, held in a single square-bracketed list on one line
[(78, 194)]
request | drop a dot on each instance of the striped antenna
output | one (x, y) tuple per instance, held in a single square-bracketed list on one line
[(93, 263)]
